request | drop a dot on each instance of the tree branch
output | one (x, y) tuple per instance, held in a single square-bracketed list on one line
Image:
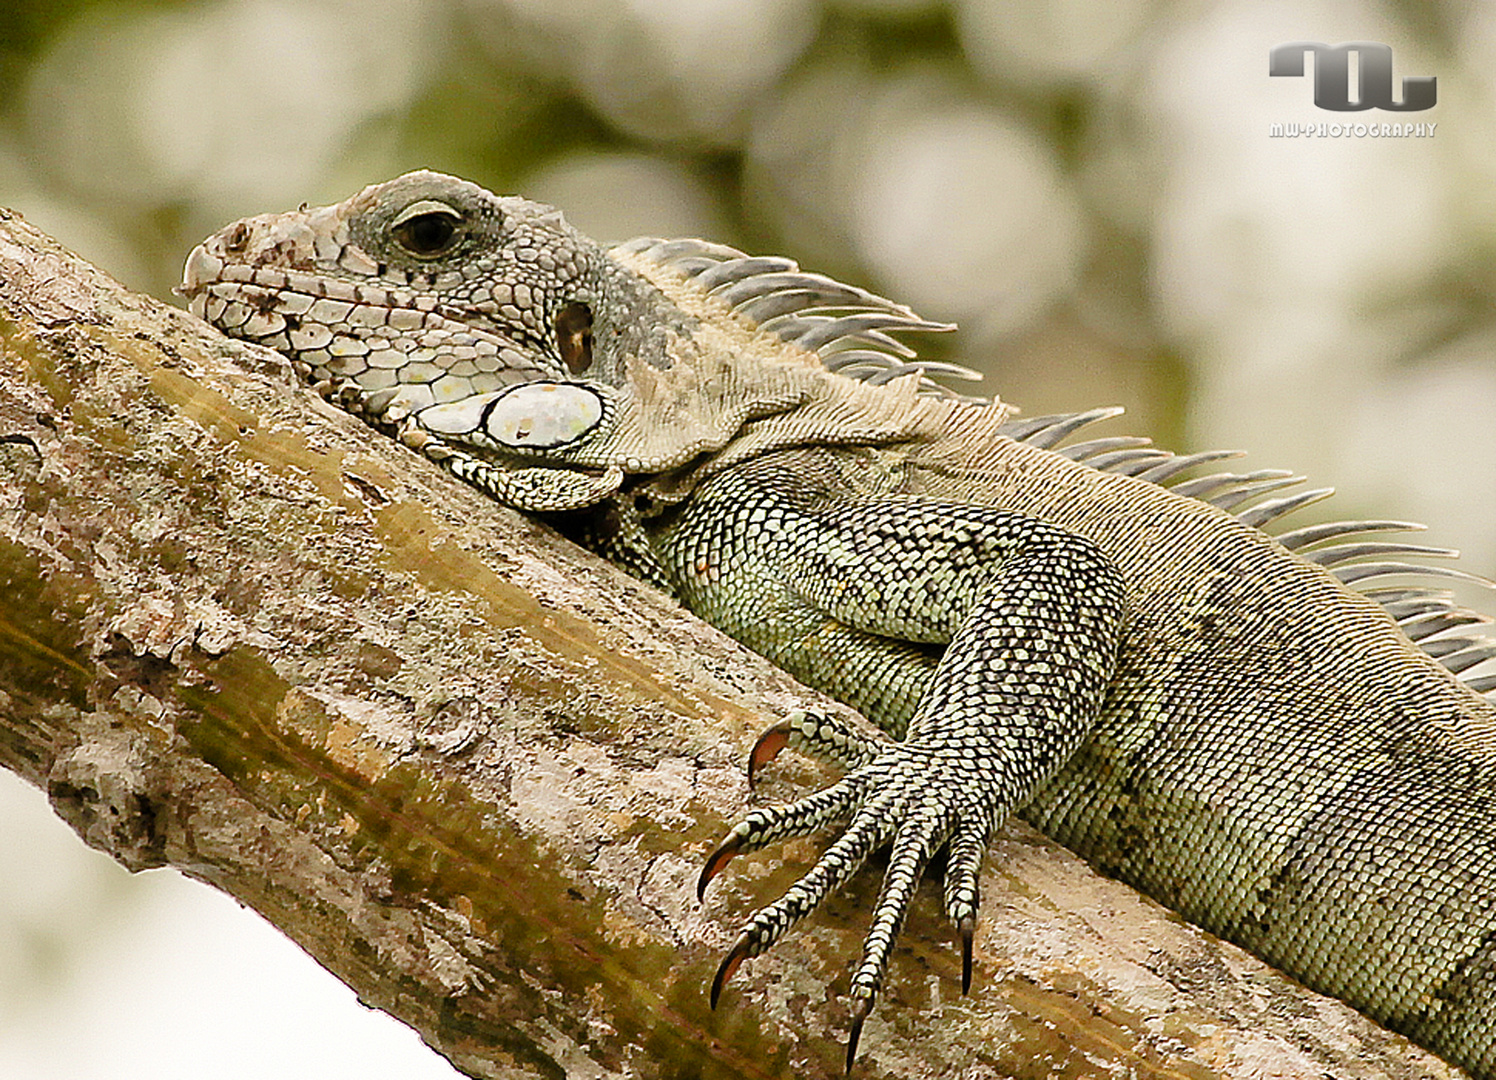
[(474, 771)]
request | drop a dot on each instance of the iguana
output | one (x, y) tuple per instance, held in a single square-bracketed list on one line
[(1259, 731)]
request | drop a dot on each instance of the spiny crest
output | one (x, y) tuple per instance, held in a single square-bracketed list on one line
[(850, 329), (1427, 615)]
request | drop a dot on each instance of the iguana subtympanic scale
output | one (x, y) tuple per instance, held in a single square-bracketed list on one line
[(1258, 731)]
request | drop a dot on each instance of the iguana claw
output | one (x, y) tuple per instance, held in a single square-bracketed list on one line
[(769, 744), (729, 966), (860, 1012), (716, 861), (967, 930)]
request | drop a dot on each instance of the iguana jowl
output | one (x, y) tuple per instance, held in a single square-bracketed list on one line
[(1075, 632)]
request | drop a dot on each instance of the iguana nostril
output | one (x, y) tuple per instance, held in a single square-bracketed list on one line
[(237, 240)]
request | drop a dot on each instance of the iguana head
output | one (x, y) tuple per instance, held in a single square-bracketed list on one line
[(465, 319)]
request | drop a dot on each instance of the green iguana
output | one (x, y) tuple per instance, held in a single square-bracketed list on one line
[(1232, 722)]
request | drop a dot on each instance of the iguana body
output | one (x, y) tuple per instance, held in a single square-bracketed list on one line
[(1076, 634)]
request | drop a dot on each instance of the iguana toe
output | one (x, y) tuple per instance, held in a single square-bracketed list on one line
[(817, 734), (962, 868)]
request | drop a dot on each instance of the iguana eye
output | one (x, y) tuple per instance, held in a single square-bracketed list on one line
[(574, 337), (427, 229)]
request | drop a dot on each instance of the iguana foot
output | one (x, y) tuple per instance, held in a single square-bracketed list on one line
[(914, 799)]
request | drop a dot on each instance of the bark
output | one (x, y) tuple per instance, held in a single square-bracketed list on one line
[(473, 771)]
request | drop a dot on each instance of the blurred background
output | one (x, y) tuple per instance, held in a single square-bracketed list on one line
[(1091, 189)]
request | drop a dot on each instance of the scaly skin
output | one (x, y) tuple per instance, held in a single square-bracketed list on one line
[(1195, 707)]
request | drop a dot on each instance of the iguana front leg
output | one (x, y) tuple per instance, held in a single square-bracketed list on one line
[(856, 597)]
